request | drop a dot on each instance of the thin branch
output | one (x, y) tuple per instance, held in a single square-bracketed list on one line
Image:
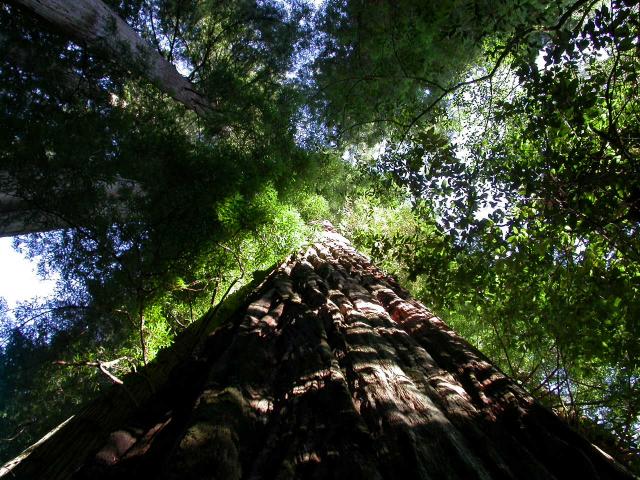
[(156, 42), (514, 42), (176, 32), (143, 342), (102, 366), (21, 428)]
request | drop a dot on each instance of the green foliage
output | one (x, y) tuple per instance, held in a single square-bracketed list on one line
[(158, 334), (314, 207), (382, 69)]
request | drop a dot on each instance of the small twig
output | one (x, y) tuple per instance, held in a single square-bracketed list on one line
[(102, 366), (215, 309), (153, 29), (176, 32), (215, 291), (21, 428), (109, 375), (143, 343), (175, 319)]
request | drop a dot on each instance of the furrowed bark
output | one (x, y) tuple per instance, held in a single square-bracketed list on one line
[(100, 27), (329, 370)]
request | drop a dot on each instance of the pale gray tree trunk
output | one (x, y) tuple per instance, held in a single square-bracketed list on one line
[(19, 215), (96, 24)]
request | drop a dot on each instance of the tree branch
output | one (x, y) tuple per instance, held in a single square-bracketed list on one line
[(102, 366)]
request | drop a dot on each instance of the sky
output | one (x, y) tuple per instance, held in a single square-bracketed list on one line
[(19, 280)]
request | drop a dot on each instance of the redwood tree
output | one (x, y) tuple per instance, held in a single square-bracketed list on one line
[(328, 369)]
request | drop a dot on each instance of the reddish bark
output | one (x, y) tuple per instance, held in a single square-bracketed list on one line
[(330, 370)]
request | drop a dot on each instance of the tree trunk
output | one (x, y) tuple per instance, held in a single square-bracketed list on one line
[(17, 215), (93, 22), (330, 370), (20, 215), (68, 83)]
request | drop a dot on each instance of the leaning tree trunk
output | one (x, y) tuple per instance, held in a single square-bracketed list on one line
[(330, 370), (93, 22)]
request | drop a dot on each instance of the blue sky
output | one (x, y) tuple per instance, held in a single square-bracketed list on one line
[(18, 278)]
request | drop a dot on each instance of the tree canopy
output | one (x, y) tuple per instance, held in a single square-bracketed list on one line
[(485, 153)]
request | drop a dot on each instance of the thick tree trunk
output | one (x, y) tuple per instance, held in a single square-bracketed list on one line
[(96, 24), (330, 370)]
